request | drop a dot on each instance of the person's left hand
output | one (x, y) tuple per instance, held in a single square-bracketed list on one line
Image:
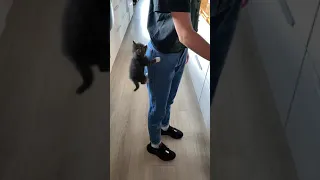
[(244, 3)]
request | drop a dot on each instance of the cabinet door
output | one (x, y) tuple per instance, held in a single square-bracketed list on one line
[(303, 128), (281, 45), (119, 9), (204, 31), (303, 13), (124, 25), (114, 43), (130, 4), (314, 45), (205, 100), (304, 122), (197, 73), (198, 66), (115, 3)]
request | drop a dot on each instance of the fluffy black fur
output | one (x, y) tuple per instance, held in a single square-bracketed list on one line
[(138, 62), (85, 40)]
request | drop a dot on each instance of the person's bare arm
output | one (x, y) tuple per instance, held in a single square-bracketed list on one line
[(188, 36)]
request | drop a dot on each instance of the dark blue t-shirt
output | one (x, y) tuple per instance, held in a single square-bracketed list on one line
[(160, 24)]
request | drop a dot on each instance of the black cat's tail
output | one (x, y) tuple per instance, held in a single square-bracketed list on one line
[(87, 78), (137, 85)]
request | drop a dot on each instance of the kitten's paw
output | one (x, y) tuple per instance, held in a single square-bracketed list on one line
[(157, 59)]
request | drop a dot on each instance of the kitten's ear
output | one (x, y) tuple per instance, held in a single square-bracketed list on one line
[(134, 43), (146, 46)]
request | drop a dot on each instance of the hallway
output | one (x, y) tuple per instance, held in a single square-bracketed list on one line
[(129, 133)]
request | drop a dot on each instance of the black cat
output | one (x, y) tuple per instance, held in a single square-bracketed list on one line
[(85, 38), (84, 67), (138, 62)]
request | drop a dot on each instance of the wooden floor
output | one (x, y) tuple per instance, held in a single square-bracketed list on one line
[(129, 159)]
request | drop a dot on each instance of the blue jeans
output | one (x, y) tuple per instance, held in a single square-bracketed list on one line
[(164, 79)]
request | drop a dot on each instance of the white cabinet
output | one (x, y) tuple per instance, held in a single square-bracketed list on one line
[(314, 45), (201, 82), (5, 6), (197, 72), (115, 3), (122, 18), (198, 66), (130, 8), (124, 24), (281, 45), (303, 13), (204, 100), (114, 43), (303, 128)]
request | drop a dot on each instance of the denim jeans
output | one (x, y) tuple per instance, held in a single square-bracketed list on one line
[(164, 79), (222, 29)]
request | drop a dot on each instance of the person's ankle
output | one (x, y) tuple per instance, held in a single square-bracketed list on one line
[(156, 146), (172, 132), (165, 128)]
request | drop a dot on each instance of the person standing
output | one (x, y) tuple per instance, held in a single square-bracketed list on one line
[(224, 17), (171, 32)]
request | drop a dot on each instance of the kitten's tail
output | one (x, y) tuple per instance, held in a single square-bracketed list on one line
[(137, 85), (87, 77)]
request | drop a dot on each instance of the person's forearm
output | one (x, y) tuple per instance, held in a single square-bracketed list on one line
[(197, 44)]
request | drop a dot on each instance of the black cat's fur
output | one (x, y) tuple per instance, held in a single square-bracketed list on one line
[(84, 67), (85, 37), (138, 62)]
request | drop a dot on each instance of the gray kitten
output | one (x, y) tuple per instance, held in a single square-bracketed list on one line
[(138, 62)]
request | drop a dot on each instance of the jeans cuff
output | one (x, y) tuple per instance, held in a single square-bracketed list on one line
[(164, 125)]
